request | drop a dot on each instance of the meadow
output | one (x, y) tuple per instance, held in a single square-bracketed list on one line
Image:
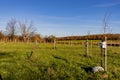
[(30, 61)]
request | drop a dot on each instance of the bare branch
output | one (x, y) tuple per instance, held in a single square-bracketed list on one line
[(11, 28), (26, 31)]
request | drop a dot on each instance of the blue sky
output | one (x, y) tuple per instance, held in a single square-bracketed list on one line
[(62, 17)]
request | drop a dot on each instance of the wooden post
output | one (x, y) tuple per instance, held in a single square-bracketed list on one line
[(111, 45), (36, 42), (101, 62), (90, 47), (54, 43), (91, 44), (104, 51), (71, 42), (86, 47), (105, 55)]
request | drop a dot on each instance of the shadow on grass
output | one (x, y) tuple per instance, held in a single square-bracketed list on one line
[(60, 58), (6, 54), (87, 69)]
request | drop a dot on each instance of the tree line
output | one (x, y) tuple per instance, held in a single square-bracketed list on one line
[(19, 31), (92, 37), (22, 31)]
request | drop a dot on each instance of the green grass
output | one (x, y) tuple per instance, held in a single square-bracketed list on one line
[(63, 63)]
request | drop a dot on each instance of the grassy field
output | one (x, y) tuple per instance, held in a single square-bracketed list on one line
[(22, 61)]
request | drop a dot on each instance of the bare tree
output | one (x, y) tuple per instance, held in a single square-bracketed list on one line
[(106, 24), (27, 31), (104, 42), (11, 28)]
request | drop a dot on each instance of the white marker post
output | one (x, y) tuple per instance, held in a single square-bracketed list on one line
[(105, 54), (103, 46)]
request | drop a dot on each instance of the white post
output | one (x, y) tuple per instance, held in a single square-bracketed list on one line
[(105, 53), (54, 43)]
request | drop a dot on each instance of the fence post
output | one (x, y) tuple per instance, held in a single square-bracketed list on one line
[(71, 42), (105, 55), (91, 44), (111, 45), (103, 46), (101, 49), (54, 43), (86, 47)]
